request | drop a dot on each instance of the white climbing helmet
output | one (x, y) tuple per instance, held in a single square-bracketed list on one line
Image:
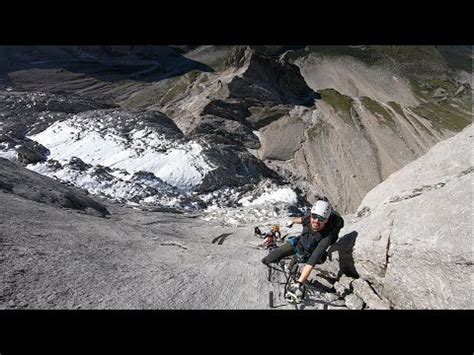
[(321, 208)]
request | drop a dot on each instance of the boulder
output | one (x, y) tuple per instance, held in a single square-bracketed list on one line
[(30, 185), (363, 290), (28, 151), (354, 302)]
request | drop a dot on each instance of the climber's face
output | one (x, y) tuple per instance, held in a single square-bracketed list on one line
[(317, 222)]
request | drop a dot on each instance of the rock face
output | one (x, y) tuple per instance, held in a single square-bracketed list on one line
[(91, 147), (266, 79), (330, 123), (363, 290), (30, 185), (369, 99), (410, 243), (321, 117), (26, 150), (354, 302)]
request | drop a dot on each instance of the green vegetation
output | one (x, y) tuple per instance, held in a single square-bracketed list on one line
[(203, 78), (444, 116), (397, 107), (192, 75), (419, 125), (218, 60), (365, 54), (446, 111), (267, 111), (144, 98), (164, 92), (220, 64), (446, 84), (340, 103), (262, 116), (177, 87), (457, 57), (411, 61), (428, 69), (377, 109)]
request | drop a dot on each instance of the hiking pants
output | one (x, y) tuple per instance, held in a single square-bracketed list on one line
[(279, 253)]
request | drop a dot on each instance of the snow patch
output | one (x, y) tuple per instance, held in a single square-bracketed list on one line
[(7, 153), (284, 194), (182, 166)]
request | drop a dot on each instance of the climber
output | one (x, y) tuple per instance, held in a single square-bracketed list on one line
[(320, 229), (270, 238)]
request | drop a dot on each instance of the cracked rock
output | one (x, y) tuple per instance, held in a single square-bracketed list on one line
[(364, 291), (354, 302), (343, 285)]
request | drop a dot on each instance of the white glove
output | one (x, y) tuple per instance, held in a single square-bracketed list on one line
[(289, 224)]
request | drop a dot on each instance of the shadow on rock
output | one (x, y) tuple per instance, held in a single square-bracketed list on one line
[(105, 63), (315, 296)]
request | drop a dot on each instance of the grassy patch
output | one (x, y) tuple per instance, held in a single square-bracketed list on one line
[(445, 84), (263, 116), (340, 103), (419, 125), (378, 110), (203, 78), (144, 98), (427, 91), (443, 116), (178, 87), (267, 111), (365, 54), (218, 60), (192, 75), (397, 107), (457, 57), (441, 112)]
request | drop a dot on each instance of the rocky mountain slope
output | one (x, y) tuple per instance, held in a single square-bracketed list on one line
[(408, 247), (226, 138), (411, 238), (380, 108), (62, 258), (329, 120)]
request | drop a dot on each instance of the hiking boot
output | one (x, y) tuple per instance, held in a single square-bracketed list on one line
[(294, 294)]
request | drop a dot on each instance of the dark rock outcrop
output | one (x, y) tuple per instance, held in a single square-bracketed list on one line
[(228, 109), (267, 79), (235, 131), (30, 185), (27, 151), (234, 166)]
